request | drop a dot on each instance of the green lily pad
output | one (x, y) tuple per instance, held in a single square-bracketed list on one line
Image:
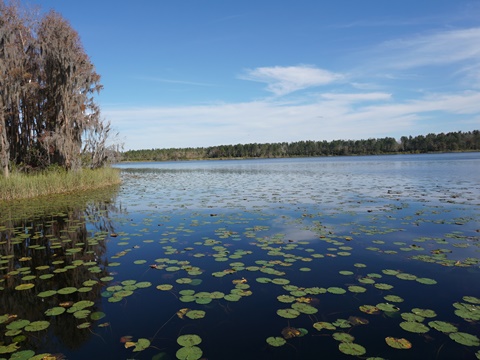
[(414, 327), (412, 317), (97, 315), (280, 281), (18, 324), (471, 299), (324, 325), (443, 326), (467, 311), (24, 286), (406, 276), (286, 298), (6, 349), (465, 339), (143, 284), (356, 289), (13, 332), (58, 310), (343, 337), (304, 308), (426, 281), (387, 307), (232, 297), (288, 313), (382, 286), (67, 290), (393, 298), (398, 343), (390, 272), (336, 290), (342, 323), (81, 314), (351, 349), (37, 326), (189, 353), (195, 314), (141, 345), (22, 355), (189, 340), (427, 313), (276, 341), (165, 287)]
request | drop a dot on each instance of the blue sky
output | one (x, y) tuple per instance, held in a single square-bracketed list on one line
[(197, 73)]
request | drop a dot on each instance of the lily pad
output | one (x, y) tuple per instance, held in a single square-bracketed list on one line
[(414, 327), (141, 344), (465, 338), (343, 337), (398, 343), (195, 314), (304, 308), (6, 349), (37, 326), (18, 324), (393, 298), (427, 313), (351, 349), (276, 341), (58, 310), (336, 290), (189, 340), (24, 286), (471, 299), (67, 290), (324, 325), (356, 289), (165, 287), (97, 315), (288, 313), (426, 281), (443, 326), (189, 353)]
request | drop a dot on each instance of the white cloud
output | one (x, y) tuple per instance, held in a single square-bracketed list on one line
[(440, 48), (283, 80), (333, 116), (374, 96)]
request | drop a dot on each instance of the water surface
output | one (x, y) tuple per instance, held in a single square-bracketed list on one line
[(245, 239)]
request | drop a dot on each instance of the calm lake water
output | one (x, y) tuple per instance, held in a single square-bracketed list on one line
[(311, 258)]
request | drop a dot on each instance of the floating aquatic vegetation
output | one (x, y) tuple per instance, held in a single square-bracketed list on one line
[(276, 341), (398, 343)]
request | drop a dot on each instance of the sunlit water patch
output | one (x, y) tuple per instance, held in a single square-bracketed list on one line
[(375, 257)]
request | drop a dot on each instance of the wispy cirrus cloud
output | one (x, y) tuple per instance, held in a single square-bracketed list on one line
[(282, 80), (439, 48)]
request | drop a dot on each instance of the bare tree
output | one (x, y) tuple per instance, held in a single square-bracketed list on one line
[(100, 146)]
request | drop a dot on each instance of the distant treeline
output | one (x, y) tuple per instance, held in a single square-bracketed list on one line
[(452, 141)]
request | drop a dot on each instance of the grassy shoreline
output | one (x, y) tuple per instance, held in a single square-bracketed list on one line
[(23, 186)]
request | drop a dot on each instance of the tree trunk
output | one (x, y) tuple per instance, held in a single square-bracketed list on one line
[(4, 144)]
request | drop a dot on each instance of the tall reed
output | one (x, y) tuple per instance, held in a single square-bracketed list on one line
[(22, 186)]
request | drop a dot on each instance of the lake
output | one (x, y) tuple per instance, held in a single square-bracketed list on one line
[(375, 257)]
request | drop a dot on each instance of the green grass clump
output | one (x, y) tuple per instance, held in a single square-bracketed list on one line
[(23, 186)]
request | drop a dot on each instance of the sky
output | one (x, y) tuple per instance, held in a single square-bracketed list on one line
[(200, 73)]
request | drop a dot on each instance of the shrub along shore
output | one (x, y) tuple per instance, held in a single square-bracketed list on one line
[(23, 186)]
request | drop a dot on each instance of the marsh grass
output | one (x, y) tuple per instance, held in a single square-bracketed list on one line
[(23, 186)]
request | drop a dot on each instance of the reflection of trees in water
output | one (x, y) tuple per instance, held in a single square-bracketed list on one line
[(64, 237)]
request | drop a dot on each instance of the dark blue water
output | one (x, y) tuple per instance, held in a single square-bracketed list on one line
[(305, 220)]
